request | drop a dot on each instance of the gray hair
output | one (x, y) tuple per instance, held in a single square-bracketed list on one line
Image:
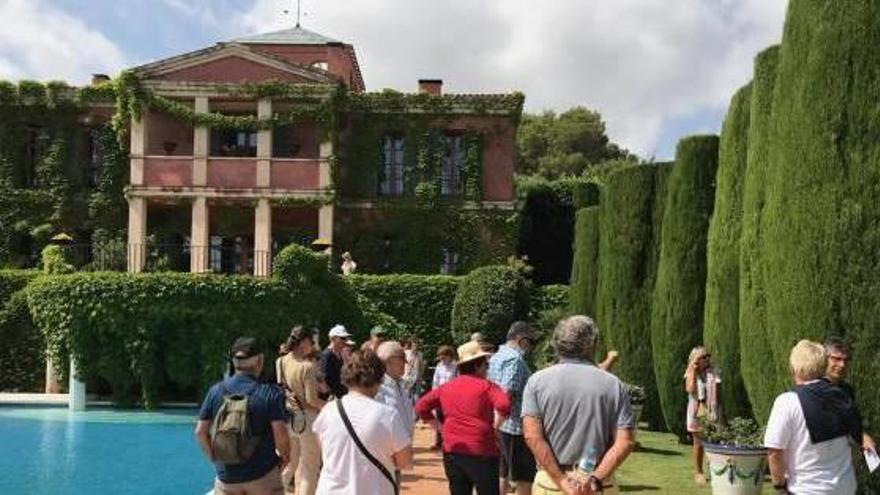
[(575, 337), (390, 349)]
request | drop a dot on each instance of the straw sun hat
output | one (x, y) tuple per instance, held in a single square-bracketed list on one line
[(471, 351)]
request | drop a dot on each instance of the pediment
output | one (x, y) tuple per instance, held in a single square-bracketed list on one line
[(230, 63)]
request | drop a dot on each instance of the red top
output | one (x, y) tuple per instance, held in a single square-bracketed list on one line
[(468, 403)]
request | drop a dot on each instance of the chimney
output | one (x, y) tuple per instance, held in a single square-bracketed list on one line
[(431, 86), (98, 79)]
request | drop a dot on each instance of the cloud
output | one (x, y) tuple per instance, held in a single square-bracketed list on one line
[(644, 64), (39, 41)]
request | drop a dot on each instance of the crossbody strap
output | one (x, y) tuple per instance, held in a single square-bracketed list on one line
[(381, 467)]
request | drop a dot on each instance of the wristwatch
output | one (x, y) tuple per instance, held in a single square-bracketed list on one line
[(596, 485)]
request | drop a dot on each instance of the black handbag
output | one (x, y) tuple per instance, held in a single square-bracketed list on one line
[(381, 467)]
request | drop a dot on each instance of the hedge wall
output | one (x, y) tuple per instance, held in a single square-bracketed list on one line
[(626, 277), (755, 349), (721, 319), (146, 333), (677, 306), (546, 211), (585, 265), (22, 360), (488, 300), (12, 281)]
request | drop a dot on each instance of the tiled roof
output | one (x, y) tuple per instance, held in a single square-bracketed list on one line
[(293, 36)]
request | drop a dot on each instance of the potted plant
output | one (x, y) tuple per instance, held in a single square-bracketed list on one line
[(636, 399), (737, 458)]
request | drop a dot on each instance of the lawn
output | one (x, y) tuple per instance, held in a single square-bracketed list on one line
[(661, 465)]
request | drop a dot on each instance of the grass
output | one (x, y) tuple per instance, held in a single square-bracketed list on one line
[(660, 466)]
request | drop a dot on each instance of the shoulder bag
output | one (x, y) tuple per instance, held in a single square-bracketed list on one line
[(381, 467)]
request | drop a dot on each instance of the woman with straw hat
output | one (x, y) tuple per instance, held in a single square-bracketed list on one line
[(473, 409)]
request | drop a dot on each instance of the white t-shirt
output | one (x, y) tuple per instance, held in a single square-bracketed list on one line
[(811, 469), (346, 470)]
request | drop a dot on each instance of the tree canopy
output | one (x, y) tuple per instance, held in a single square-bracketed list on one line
[(569, 143)]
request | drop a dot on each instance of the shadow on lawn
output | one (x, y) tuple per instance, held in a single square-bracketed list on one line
[(650, 450), (639, 488)]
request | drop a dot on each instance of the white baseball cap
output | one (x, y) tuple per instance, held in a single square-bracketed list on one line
[(339, 331)]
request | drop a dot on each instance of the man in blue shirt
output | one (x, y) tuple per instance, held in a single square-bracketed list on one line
[(260, 473), (508, 369)]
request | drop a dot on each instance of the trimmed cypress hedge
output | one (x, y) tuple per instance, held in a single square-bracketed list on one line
[(755, 349), (626, 277), (585, 265), (677, 307), (822, 243), (721, 326), (488, 300)]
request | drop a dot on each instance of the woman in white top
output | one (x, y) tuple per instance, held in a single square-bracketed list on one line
[(700, 384), (346, 469)]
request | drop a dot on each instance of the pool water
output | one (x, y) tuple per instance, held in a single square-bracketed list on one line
[(55, 451)]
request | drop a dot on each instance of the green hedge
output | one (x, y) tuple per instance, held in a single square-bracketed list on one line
[(12, 281), (677, 306), (585, 265), (721, 325), (22, 349), (546, 211), (626, 277), (488, 300), (755, 347), (547, 298), (144, 333)]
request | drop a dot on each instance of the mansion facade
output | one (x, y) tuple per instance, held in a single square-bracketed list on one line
[(238, 149)]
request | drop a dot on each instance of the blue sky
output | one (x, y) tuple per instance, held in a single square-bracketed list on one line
[(657, 71)]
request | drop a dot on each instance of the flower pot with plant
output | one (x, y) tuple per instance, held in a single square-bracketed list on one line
[(636, 399), (737, 458)]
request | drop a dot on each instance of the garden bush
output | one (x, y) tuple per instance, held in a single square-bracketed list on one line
[(22, 356), (755, 349), (721, 319), (546, 211), (677, 306), (142, 332), (488, 300), (12, 281), (299, 265), (585, 265), (626, 277)]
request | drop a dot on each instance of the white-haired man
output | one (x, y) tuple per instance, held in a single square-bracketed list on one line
[(577, 418), (811, 430), (393, 391)]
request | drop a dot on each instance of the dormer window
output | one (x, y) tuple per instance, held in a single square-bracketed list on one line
[(321, 65)]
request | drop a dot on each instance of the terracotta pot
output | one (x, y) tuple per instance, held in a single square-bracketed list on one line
[(736, 470)]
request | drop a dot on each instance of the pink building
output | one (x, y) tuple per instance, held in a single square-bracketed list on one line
[(313, 169)]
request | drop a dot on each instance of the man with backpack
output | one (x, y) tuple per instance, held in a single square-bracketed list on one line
[(242, 429)]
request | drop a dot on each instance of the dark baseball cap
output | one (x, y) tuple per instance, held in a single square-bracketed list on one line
[(246, 347)]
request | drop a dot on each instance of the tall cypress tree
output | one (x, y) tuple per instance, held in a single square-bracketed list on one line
[(585, 266)]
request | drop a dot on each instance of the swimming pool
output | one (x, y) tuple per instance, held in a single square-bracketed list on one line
[(55, 451)]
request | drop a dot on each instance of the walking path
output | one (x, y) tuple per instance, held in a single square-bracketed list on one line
[(427, 478)]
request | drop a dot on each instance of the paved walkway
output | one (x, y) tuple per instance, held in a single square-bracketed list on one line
[(428, 477)]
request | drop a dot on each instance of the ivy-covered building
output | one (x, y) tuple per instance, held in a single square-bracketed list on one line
[(236, 150)]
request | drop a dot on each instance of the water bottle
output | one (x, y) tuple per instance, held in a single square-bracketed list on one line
[(587, 464)]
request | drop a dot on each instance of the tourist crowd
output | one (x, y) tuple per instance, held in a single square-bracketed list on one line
[(342, 419)]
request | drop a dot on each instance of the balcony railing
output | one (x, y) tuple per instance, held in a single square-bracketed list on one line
[(159, 257)]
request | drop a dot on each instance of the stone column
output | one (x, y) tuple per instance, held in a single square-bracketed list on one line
[(137, 234), (325, 214), (139, 139), (76, 390), (263, 238), (264, 145), (200, 237), (200, 145)]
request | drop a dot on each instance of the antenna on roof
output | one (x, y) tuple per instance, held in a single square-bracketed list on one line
[(299, 12)]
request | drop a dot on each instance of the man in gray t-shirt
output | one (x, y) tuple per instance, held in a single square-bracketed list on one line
[(574, 409)]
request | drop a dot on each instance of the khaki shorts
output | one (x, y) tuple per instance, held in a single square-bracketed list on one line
[(270, 484), (544, 485)]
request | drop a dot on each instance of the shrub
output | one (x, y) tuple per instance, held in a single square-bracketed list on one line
[(677, 307), (755, 350), (626, 276), (585, 266), (488, 300), (142, 332), (721, 327), (22, 357), (547, 298), (12, 281), (636, 394), (739, 432), (54, 260), (298, 265), (546, 212)]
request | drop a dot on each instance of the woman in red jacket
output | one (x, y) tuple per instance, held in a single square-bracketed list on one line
[(469, 403)]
